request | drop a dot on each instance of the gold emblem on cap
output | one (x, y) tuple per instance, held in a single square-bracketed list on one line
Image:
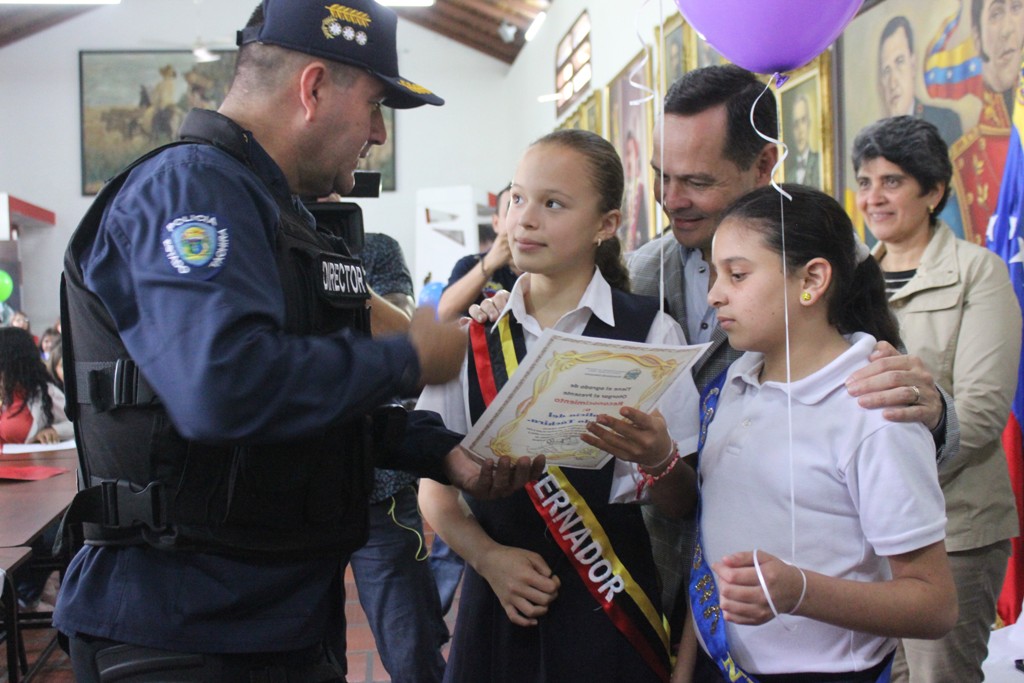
[(413, 87), (353, 16), (333, 29)]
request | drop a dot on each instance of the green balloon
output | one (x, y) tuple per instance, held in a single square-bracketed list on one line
[(6, 285)]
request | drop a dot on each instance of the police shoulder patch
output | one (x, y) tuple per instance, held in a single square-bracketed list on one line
[(194, 243)]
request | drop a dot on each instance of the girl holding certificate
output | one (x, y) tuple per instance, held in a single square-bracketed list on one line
[(561, 584), (822, 523)]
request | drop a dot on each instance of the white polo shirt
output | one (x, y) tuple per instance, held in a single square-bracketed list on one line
[(865, 488)]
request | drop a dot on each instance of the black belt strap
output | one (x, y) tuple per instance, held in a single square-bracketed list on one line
[(121, 505), (113, 384)]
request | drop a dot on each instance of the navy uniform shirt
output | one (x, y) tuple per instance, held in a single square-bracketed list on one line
[(205, 325)]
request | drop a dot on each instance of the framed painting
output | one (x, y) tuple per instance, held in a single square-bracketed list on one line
[(382, 157), (805, 114), (573, 120), (630, 123), (701, 52), (670, 38), (592, 113), (907, 57), (133, 101)]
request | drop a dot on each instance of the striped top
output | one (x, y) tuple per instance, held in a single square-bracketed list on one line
[(895, 280)]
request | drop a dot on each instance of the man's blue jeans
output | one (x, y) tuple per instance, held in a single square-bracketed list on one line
[(397, 592), (447, 568)]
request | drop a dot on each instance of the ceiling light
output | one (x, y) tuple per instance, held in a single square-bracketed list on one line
[(60, 2), (406, 3), (203, 54), (535, 26), (507, 31)]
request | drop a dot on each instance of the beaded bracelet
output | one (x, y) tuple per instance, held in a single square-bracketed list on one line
[(647, 479)]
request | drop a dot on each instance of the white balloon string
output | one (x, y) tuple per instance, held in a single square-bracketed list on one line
[(785, 309), (661, 87), (655, 95), (639, 85), (789, 376), (783, 195), (785, 149)]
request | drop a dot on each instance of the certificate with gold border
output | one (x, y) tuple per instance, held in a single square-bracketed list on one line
[(563, 384)]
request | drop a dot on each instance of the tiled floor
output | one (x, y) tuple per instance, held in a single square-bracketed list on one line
[(364, 665)]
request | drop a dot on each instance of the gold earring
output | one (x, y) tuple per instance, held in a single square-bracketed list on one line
[(931, 209), (805, 297)]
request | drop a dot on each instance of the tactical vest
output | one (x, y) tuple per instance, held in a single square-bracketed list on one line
[(145, 483)]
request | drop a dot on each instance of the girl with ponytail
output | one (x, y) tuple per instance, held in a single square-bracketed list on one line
[(534, 606), (822, 524)]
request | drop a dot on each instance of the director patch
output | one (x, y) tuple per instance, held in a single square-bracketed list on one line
[(342, 279), (195, 244)]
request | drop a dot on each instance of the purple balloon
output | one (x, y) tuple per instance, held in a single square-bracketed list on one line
[(766, 36)]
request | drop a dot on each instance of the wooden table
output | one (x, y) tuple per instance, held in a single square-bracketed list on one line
[(27, 508), (10, 560)]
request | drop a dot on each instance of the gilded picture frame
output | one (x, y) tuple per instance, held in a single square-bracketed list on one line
[(672, 45), (630, 123), (700, 52), (591, 112), (132, 101), (805, 117)]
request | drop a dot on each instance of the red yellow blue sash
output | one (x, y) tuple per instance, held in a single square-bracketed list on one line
[(569, 519)]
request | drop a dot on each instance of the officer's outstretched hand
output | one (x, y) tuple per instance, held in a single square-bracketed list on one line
[(441, 347), (490, 479)]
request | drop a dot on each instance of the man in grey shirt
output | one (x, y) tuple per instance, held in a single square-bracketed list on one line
[(706, 155)]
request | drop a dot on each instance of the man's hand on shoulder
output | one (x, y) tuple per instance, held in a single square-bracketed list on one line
[(490, 479), (900, 384)]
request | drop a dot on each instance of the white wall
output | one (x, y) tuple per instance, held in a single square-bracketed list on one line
[(490, 116), (40, 151), (613, 38)]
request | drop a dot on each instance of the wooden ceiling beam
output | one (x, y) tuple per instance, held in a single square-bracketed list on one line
[(527, 9), (472, 23), (505, 52), (21, 21), (487, 8), (466, 18)]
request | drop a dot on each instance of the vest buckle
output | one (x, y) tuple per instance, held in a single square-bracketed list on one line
[(124, 507), (126, 383)]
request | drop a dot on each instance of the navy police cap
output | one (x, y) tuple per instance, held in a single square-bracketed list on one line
[(358, 32)]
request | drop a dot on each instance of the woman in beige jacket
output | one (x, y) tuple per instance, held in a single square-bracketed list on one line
[(958, 312)]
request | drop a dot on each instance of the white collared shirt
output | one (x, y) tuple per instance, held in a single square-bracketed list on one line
[(864, 489), (678, 405), (701, 317)]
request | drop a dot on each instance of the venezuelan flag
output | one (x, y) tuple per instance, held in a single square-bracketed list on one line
[(952, 72), (1004, 239)]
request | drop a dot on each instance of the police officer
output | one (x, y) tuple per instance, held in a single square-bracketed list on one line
[(222, 385)]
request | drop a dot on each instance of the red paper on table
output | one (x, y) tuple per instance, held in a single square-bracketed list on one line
[(29, 472)]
